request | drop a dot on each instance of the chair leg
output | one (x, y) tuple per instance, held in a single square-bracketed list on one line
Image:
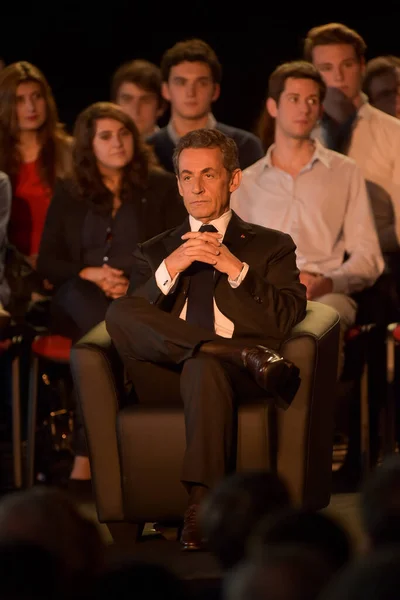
[(126, 535), (364, 422), (32, 417), (389, 424), (16, 422)]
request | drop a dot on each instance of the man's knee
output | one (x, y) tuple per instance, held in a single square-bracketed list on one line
[(120, 312), (205, 369), (345, 305)]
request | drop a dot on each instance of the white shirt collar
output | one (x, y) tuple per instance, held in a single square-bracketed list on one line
[(220, 224), (320, 153), (364, 112)]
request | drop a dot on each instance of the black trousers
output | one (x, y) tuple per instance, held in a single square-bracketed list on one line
[(210, 388), (76, 307)]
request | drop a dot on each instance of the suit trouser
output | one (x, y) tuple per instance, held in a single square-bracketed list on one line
[(208, 386)]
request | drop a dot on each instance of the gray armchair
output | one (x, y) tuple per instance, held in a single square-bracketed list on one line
[(136, 441)]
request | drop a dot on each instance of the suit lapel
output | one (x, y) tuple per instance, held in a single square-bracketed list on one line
[(174, 240), (171, 243)]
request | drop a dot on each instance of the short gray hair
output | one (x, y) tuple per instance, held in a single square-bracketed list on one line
[(209, 138)]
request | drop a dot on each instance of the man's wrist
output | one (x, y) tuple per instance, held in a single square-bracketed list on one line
[(234, 276), (171, 271)]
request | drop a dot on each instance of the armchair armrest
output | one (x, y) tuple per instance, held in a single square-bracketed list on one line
[(305, 430)]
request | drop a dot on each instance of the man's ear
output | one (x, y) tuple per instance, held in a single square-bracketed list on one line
[(161, 108), (362, 65), (179, 185), (272, 107), (165, 91), (217, 91), (236, 178)]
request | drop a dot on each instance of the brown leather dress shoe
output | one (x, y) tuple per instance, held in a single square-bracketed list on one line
[(273, 373), (276, 375), (191, 538)]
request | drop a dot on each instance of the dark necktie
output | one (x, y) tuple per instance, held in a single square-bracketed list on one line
[(338, 135), (200, 305)]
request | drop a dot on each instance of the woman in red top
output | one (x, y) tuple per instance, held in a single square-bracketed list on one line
[(34, 152)]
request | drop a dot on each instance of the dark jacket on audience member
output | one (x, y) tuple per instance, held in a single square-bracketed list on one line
[(249, 145), (158, 207)]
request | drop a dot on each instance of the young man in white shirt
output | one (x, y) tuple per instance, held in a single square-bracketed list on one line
[(316, 195), (372, 136)]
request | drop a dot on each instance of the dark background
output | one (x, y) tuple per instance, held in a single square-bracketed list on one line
[(78, 45)]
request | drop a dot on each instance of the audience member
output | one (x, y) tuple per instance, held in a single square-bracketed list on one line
[(380, 504), (351, 125), (29, 571), (136, 88), (381, 84), (369, 136), (142, 579), (35, 151), (114, 200), (191, 74), (286, 572), (5, 209), (372, 577), (234, 508), (315, 195), (255, 299), (46, 517), (317, 531)]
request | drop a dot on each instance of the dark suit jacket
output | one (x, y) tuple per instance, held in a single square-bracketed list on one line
[(249, 145), (158, 208), (269, 301)]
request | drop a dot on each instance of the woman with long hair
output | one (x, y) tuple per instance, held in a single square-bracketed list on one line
[(115, 198), (35, 151)]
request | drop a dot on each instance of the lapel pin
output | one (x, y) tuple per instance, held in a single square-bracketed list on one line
[(242, 236)]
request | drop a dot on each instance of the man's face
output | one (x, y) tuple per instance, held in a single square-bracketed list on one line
[(298, 109), (340, 68), (205, 184), (141, 105), (384, 93), (190, 90)]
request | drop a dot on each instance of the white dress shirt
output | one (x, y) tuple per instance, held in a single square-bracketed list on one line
[(325, 209), (375, 147), (222, 325)]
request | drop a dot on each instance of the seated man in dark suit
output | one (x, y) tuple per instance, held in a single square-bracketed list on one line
[(191, 75), (212, 299)]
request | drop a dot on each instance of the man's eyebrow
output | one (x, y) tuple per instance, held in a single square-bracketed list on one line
[(205, 170)]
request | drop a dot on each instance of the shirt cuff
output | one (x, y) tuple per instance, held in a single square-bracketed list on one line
[(163, 279), (340, 283), (234, 283)]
